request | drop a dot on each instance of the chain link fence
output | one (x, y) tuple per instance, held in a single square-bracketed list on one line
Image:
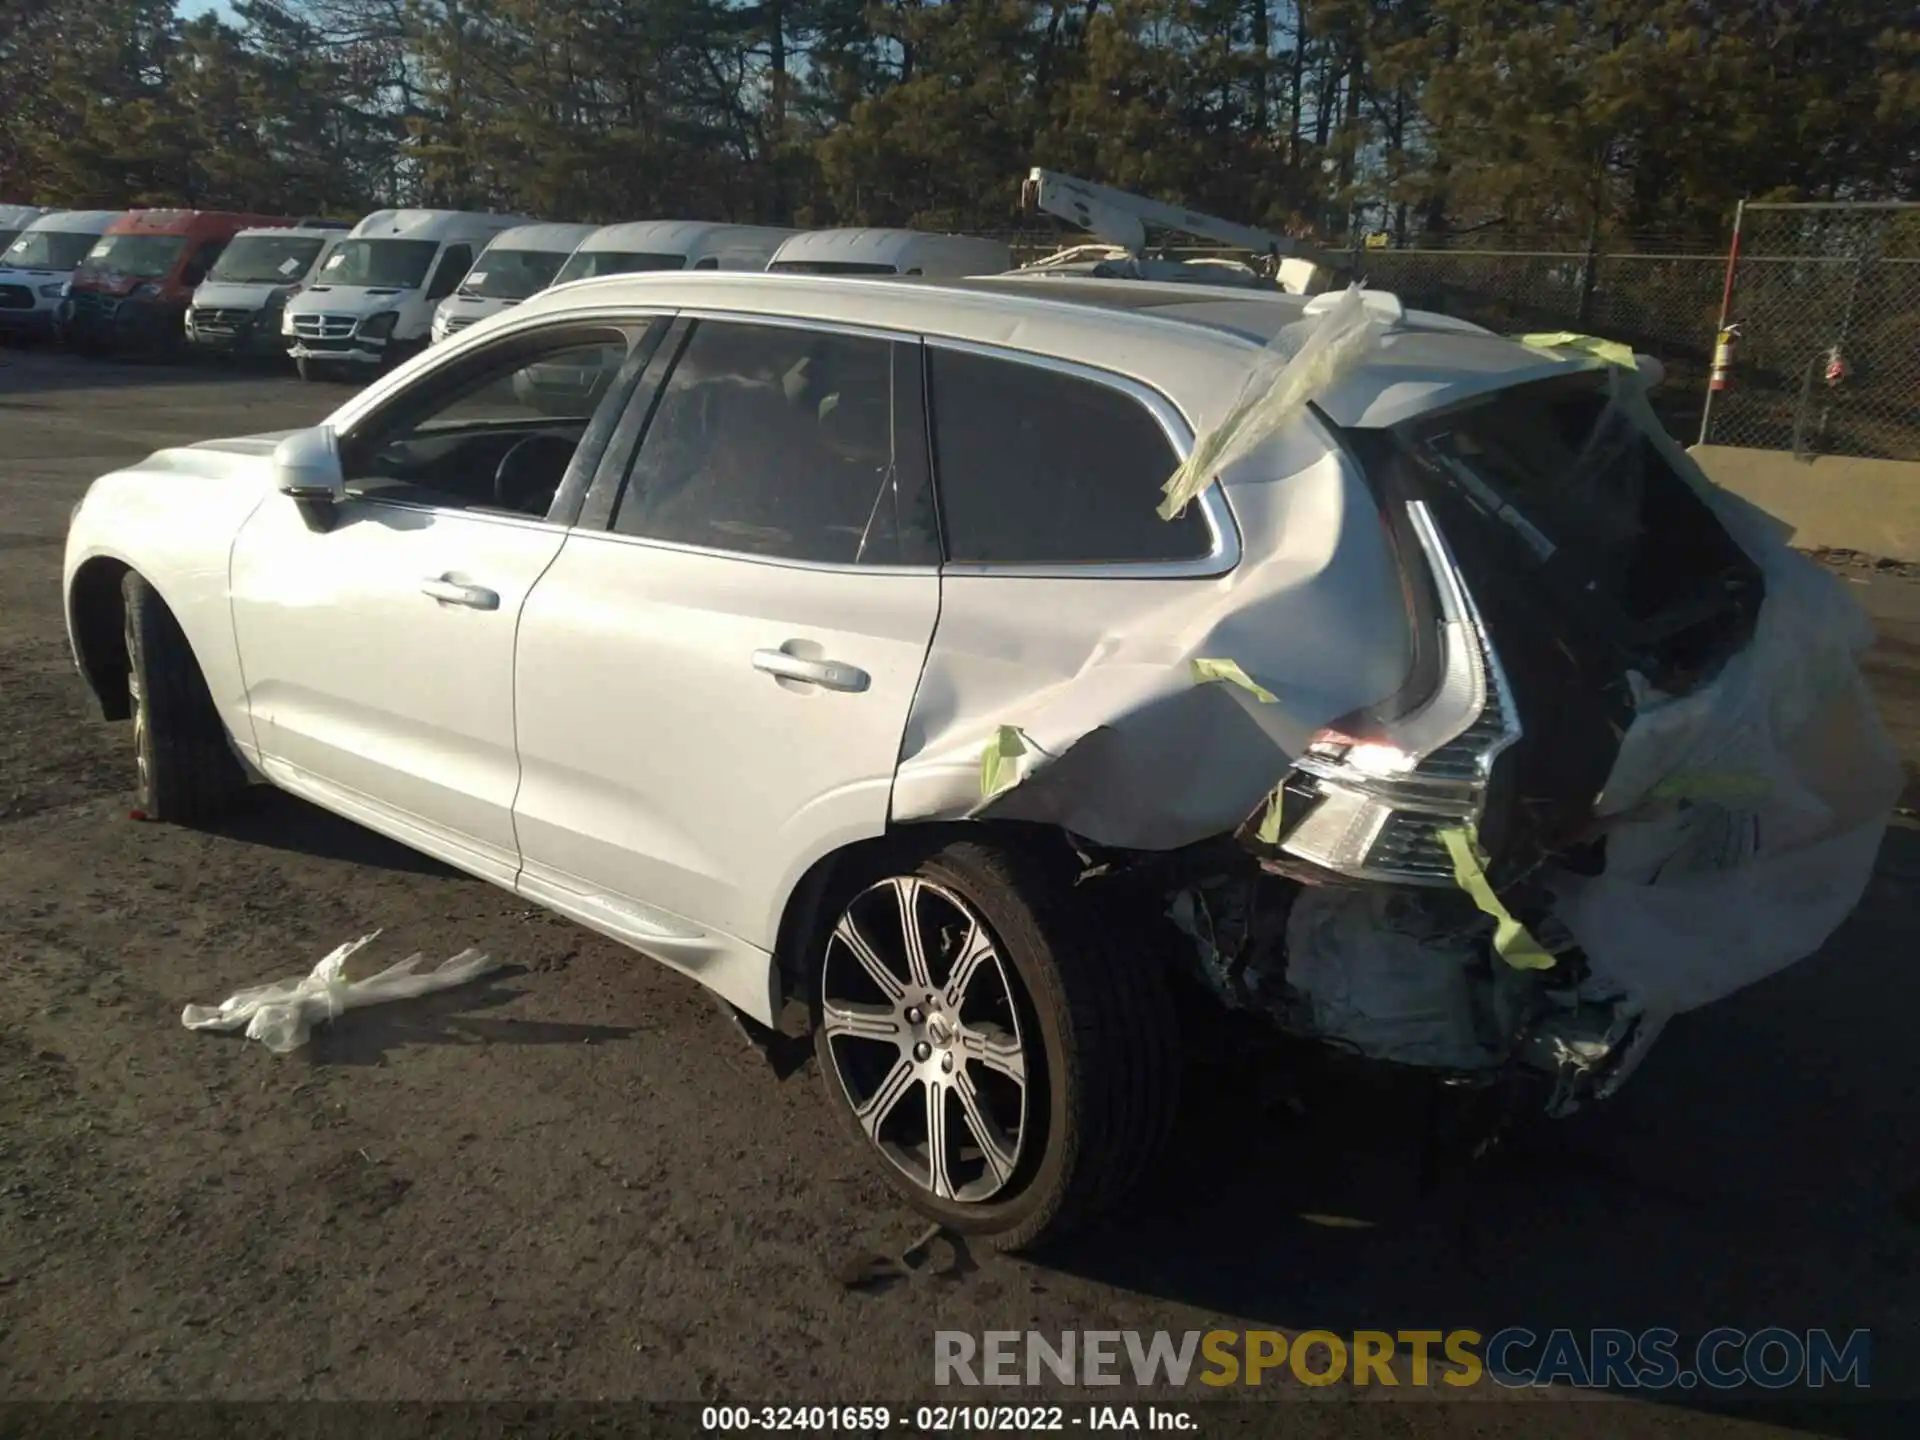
[(1823, 319), (1663, 303), (1824, 301)]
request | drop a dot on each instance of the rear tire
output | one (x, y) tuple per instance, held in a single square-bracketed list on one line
[(186, 769), (1077, 1007)]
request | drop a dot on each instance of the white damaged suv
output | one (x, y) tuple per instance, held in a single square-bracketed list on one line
[(977, 662)]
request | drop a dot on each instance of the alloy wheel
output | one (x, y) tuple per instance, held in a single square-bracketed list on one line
[(137, 702), (923, 1025)]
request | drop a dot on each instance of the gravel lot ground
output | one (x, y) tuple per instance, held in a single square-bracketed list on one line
[(574, 1180)]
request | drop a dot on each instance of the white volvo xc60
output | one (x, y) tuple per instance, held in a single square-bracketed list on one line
[(827, 639)]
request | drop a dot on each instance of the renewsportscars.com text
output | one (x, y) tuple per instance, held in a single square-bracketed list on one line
[(1774, 1358)]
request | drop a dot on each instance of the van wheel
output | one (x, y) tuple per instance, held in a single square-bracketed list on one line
[(186, 770), (1011, 1062)]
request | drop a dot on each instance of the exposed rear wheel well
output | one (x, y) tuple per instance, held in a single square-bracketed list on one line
[(904, 845), (100, 635)]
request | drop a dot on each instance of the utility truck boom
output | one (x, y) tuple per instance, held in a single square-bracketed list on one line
[(1123, 220)]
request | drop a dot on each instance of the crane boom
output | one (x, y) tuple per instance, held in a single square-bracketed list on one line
[(1122, 219)]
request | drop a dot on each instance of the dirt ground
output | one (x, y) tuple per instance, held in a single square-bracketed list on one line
[(574, 1180)]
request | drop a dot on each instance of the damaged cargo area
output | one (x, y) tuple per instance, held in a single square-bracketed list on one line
[(1502, 737)]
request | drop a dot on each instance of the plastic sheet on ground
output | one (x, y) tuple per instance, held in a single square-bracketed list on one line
[(282, 1015)]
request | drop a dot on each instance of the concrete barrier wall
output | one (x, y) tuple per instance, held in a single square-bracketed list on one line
[(1832, 501)]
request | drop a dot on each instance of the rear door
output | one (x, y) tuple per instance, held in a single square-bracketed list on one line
[(711, 691)]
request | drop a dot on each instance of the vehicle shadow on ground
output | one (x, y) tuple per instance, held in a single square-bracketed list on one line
[(281, 821), (369, 1036), (1759, 1171)]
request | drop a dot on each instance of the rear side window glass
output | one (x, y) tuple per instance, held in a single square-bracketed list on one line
[(1037, 467), (780, 441)]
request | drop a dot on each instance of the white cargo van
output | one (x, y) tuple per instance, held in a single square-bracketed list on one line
[(372, 300), (39, 261), (891, 252), (560, 389), (672, 245), (518, 264), (236, 310), (15, 218)]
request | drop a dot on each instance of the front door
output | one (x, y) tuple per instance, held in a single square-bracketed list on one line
[(712, 692), (379, 651)]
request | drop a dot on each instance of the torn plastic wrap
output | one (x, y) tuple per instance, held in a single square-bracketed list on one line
[(1159, 714), (1277, 390), (282, 1015), (1743, 818)]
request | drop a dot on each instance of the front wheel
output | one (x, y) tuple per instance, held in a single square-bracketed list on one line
[(1010, 1061), (186, 771), (338, 371)]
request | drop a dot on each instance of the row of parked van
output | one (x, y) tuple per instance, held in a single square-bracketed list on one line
[(346, 301)]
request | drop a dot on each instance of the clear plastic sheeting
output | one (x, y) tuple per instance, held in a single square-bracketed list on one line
[(1743, 818), (282, 1015), (1277, 390)]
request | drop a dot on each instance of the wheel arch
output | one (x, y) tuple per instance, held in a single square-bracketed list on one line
[(901, 845), (96, 620)]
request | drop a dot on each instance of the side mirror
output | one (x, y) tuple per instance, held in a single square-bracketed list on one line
[(306, 469)]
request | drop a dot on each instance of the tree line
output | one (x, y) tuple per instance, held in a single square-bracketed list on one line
[(1429, 120)]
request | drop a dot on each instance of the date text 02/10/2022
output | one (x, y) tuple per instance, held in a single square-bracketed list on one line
[(940, 1419)]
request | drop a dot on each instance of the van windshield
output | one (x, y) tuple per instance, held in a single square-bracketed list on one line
[(266, 259), (512, 274), (585, 264), (832, 267), (146, 257), (48, 249), (399, 264)]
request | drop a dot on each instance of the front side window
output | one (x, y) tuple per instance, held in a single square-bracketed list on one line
[(497, 431), (586, 264), (145, 257), (512, 274), (266, 259), (782, 442), (379, 264), (48, 250), (1038, 467)]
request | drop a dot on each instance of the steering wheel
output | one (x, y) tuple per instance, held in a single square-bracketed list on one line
[(529, 474)]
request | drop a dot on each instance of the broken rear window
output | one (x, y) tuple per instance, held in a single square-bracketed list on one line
[(1571, 477)]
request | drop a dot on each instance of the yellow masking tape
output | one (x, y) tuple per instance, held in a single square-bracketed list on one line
[(1611, 351), (1710, 785), (1511, 939), (1270, 823), (995, 773), (1228, 672)]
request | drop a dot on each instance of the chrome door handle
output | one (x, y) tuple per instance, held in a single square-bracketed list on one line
[(474, 597), (829, 674)]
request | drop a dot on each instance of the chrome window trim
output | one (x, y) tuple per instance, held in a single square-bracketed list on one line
[(1223, 553), (470, 512), (830, 567)]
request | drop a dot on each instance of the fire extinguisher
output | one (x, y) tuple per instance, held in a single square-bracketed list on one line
[(1836, 367), (1722, 375)]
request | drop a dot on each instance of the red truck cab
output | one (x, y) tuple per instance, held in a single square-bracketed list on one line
[(132, 290)]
